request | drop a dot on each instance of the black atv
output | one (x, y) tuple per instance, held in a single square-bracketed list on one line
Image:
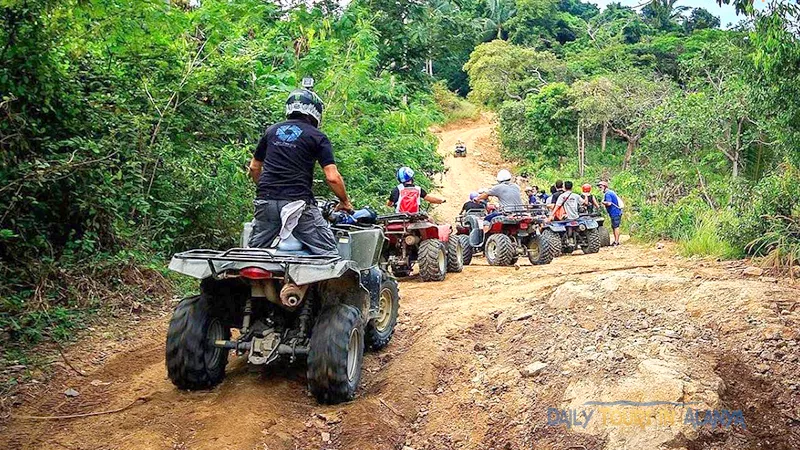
[(287, 304), (581, 233), (461, 150)]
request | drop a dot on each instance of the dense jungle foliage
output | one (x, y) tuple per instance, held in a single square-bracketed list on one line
[(126, 124)]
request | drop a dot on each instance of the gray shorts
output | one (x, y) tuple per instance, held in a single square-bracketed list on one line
[(312, 229)]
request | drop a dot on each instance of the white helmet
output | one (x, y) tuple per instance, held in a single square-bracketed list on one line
[(503, 175)]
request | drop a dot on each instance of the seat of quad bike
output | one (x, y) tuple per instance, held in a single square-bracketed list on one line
[(291, 246)]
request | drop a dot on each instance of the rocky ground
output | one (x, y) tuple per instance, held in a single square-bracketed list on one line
[(492, 358)]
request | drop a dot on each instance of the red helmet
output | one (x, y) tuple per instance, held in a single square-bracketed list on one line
[(586, 188)]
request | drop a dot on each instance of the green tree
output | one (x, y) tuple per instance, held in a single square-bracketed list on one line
[(620, 101), (498, 13), (499, 71), (700, 19)]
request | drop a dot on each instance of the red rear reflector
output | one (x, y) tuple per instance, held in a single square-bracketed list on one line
[(255, 273)]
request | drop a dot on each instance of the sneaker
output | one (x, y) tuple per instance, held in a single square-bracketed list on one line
[(615, 244)]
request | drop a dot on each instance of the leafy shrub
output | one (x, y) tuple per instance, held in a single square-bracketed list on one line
[(452, 106)]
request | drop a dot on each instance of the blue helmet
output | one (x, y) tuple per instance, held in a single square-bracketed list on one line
[(473, 195), (405, 174)]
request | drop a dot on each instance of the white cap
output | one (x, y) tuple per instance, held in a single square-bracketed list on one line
[(503, 175)]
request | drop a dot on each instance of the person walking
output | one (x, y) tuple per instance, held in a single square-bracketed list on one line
[(614, 207)]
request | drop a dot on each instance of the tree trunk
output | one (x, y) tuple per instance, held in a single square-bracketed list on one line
[(579, 139), (603, 137), (626, 163)]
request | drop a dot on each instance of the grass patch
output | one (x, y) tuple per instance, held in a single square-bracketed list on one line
[(452, 106), (705, 240)]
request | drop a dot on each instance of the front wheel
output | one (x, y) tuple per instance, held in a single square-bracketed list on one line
[(432, 260), (605, 236), (380, 329), (466, 249), (335, 355), (193, 361), (539, 251), (455, 255), (554, 242), (592, 241), (500, 250)]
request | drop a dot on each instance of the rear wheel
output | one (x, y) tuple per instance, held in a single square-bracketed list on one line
[(455, 255), (553, 242), (592, 241), (380, 329), (335, 355), (605, 236), (432, 260), (466, 249), (193, 361), (500, 250), (539, 251)]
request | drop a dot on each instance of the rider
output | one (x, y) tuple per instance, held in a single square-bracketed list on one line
[(567, 205), (507, 193), (405, 197), (472, 203), (592, 205), (283, 167)]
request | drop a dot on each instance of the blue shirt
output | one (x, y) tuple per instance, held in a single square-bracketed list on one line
[(613, 209)]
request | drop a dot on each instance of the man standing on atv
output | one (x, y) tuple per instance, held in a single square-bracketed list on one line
[(283, 168), (614, 207), (406, 197)]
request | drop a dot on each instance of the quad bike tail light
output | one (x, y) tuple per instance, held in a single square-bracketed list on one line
[(255, 273)]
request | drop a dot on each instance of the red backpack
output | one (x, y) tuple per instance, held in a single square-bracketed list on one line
[(409, 198)]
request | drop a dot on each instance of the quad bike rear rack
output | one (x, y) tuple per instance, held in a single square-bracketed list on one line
[(262, 255), (202, 263), (533, 210), (402, 217)]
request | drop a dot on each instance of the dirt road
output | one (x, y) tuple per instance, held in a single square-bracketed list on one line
[(491, 358)]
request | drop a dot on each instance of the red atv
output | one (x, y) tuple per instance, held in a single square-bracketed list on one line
[(414, 238), (517, 231)]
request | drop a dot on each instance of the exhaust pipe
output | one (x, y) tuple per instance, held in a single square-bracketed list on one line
[(292, 294)]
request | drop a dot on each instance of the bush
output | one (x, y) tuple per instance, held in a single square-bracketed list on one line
[(451, 105)]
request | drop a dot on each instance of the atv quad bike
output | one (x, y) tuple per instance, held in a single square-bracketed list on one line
[(461, 150), (517, 232), (581, 233), (415, 239), (287, 304)]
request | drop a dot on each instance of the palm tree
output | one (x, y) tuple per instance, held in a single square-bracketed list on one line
[(663, 12), (500, 11)]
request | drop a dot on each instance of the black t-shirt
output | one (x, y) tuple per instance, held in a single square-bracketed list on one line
[(554, 197), (395, 195), (289, 150), (472, 205)]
